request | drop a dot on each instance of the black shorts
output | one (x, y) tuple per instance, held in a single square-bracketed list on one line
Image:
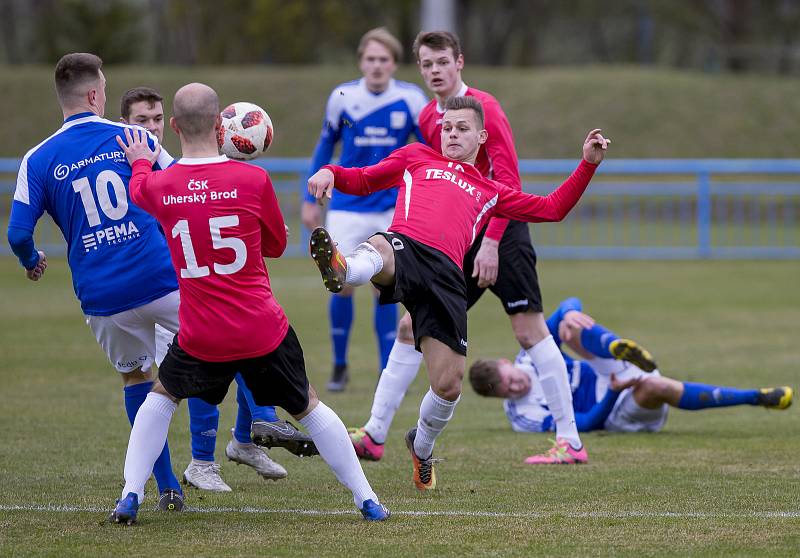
[(517, 284), (277, 378), (432, 289)]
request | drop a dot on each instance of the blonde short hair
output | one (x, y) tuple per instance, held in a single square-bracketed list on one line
[(381, 35)]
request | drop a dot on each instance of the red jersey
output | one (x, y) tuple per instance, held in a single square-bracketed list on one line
[(220, 218), (497, 158), (443, 203)]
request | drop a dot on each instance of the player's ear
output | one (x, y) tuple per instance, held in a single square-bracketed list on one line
[(174, 125), (460, 62), (218, 123), (483, 135)]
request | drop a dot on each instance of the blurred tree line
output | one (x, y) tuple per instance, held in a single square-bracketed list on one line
[(709, 35)]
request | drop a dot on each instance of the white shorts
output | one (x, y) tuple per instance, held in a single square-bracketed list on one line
[(350, 228), (129, 338), (628, 416)]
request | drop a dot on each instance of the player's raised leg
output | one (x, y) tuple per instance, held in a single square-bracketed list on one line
[(370, 261)]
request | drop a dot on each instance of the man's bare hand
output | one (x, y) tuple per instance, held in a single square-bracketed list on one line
[(595, 146), (310, 215), (135, 146), (574, 321), (486, 263), (617, 385), (37, 271), (321, 185)]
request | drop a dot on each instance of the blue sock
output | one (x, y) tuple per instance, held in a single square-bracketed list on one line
[(597, 339), (702, 396), (248, 411), (340, 311), (385, 330), (203, 424), (162, 468)]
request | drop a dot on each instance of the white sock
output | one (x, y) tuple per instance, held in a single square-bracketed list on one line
[(364, 263), (334, 445), (148, 436), (434, 414), (552, 372), (400, 371)]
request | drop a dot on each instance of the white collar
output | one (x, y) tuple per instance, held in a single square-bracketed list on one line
[(202, 160)]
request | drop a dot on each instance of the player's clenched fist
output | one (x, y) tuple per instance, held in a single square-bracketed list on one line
[(320, 185), (594, 146)]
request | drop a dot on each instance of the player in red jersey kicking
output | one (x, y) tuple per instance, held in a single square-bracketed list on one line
[(442, 203), (221, 218), (501, 259)]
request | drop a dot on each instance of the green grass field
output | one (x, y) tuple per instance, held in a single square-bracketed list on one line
[(648, 112), (721, 482)]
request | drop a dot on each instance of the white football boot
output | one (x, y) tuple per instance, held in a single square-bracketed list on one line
[(253, 456), (205, 476)]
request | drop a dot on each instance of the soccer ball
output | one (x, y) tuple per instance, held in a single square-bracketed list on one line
[(246, 131)]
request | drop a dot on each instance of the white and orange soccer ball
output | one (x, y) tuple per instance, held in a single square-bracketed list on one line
[(246, 131)]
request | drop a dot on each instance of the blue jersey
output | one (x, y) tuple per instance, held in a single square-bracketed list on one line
[(116, 252), (370, 126)]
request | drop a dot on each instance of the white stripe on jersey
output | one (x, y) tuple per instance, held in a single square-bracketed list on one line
[(22, 195), (490, 204), (408, 180), (164, 158), (358, 101)]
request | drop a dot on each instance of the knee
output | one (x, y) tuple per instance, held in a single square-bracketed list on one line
[(405, 331), (313, 401), (529, 328), (650, 392), (448, 386), (137, 376), (159, 389)]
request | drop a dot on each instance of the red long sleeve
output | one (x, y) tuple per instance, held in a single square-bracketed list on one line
[(141, 169), (366, 180), (553, 207)]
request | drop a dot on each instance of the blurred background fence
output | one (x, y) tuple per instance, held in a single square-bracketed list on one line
[(634, 208)]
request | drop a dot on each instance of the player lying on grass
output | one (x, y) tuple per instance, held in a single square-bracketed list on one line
[(441, 205), (608, 394), (143, 106), (222, 218)]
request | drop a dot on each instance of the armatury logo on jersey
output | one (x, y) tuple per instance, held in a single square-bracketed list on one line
[(62, 170), (110, 235)]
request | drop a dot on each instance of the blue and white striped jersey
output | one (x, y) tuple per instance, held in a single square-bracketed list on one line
[(370, 126), (116, 252), (530, 413)]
